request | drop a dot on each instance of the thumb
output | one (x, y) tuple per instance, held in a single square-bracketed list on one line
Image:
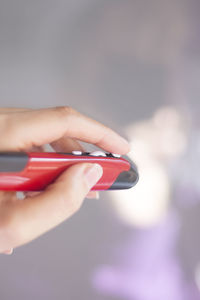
[(74, 184), (55, 204)]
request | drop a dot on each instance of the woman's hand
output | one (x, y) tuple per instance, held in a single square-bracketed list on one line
[(29, 130)]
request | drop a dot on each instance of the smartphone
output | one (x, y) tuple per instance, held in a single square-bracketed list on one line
[(33, 171)]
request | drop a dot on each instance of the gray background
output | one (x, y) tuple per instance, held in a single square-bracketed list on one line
[(116, 61)]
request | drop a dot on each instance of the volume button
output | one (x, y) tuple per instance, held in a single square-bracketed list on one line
[(116, 155), (98, 153), (77, 152)]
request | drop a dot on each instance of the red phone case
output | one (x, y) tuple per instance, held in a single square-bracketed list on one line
[(33, 171)]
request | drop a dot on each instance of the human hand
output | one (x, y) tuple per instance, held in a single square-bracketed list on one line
[(29, 130)]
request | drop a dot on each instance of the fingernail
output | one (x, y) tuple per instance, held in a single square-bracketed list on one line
[(96, 195), (125, 140), (93, 195), (127, 144), (93, 174), (9, 251)]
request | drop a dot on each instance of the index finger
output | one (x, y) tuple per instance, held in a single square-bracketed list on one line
[(27, 129)]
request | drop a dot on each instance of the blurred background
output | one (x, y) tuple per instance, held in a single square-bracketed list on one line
[(135, 66)]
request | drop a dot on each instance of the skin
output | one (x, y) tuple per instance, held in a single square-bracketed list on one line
[(22, 129)]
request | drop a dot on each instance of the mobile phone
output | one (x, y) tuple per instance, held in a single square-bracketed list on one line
[(33, 171)]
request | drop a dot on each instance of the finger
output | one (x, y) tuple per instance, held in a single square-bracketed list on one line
[(31, 194), (22, 130), (67, 145), (62, 145), (7, 196), (36, 215), (93, 195), (8, 251), (35, 149), (12, 109)]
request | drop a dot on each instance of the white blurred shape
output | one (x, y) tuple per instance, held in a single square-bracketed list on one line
[(170, 129), (153, 142), (146, 203)]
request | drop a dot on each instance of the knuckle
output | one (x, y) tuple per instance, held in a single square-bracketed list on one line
[(5, 123), (65, 110)]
